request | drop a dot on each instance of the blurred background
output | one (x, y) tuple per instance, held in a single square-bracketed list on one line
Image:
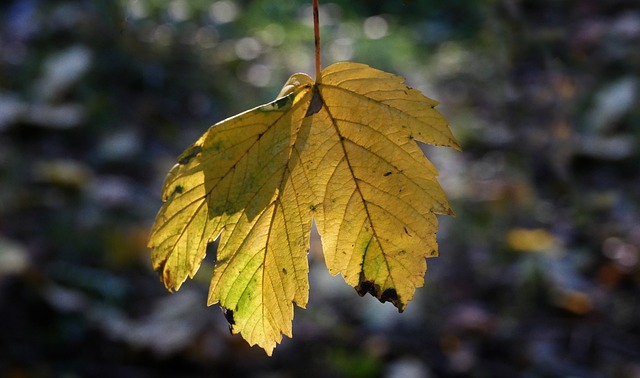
[(539, 274)]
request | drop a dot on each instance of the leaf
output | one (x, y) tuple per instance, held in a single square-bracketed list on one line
[(341, 151), (532, 240)]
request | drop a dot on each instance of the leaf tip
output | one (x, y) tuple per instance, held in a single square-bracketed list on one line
[(268, 350), (455, 145)]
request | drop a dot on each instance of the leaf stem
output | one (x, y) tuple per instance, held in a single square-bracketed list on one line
[(316, 35)]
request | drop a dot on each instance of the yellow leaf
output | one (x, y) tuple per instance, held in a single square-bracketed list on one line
[(531, 240), (342, 151)]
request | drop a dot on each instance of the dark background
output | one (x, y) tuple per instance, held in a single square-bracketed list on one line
[(539, 274)]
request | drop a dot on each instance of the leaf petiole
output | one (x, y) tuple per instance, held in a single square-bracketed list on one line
[(316, 35)]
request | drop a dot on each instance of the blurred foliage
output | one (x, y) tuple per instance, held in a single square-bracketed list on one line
[(98, 98)]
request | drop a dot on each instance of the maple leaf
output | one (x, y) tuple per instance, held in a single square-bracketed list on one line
[(342, 151)]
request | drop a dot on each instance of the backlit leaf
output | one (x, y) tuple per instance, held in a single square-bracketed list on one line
[(341, 151)]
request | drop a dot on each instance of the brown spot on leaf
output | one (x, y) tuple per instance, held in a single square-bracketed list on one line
[(189, 154), (178, 189), (365, 287), (388, 295), (228, 314)]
